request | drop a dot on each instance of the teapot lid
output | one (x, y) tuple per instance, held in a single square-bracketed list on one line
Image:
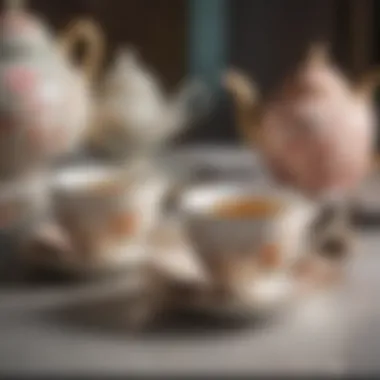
[(317, 75), (318, 55), (128, 67), (129, 76)]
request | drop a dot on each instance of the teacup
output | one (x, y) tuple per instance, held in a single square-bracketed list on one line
[(232, 218), (107, 215), (22, 201)]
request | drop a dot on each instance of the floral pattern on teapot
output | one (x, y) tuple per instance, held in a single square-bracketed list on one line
[(45, 104)]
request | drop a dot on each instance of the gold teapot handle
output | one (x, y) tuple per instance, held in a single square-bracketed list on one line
[(88, 32), (246, 98)]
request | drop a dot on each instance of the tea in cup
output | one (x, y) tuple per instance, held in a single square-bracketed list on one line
[(237, 217)]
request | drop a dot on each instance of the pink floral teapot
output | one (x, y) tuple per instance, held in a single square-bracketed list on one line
[(45, 102), (317, 132)]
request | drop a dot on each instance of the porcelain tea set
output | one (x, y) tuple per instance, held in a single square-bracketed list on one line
[(315, 136), (49, 110)]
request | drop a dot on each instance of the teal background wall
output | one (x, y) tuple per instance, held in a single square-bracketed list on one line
[(208, 36)]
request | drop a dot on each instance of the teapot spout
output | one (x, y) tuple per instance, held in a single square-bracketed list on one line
[(246, 99), (190, 104)]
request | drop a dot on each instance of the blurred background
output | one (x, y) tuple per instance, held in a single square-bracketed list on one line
[(201, 37)]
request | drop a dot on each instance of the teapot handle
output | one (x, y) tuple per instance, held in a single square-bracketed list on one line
[(90, 33), (246, 98)]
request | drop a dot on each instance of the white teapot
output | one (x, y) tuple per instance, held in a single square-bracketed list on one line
[(135, 113), (45, 102)]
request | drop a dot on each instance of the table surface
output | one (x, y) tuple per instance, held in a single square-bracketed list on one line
[(335, 333)]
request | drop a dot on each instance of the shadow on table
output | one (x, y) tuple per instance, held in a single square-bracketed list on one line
[(13, 277), (109, 317)]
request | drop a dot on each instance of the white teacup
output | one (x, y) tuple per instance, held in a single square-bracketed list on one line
[(219, 223), (106, 215), (22, 201)]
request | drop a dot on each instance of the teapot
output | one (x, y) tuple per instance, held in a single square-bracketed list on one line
[(45, 102), (134, 113), (316, 133)]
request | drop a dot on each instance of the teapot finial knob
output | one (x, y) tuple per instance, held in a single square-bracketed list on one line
[(318, 54), (128, 55)]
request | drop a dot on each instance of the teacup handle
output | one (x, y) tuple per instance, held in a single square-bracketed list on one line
[(89, 32)]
